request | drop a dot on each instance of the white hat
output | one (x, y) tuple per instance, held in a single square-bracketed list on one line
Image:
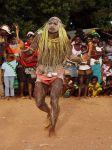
[(6, 28), (30, 33), (99, 49)]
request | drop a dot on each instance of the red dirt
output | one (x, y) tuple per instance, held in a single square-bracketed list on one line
[(84, 124)]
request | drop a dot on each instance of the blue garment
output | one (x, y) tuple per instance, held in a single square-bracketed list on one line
[(73, 71), (9, 88), (96, 68)]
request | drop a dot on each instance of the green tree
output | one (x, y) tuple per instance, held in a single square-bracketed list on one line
[(103, 14), (97, 13), (30, 15)]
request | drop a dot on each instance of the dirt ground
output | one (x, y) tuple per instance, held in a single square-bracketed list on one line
[(84, 124)]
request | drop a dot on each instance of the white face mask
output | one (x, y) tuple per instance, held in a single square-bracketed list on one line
[(53, 26)]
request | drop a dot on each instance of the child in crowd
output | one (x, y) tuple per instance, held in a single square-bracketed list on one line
[(106, 68), (107, 87), (8, 75), (94, 88), (69, 86)]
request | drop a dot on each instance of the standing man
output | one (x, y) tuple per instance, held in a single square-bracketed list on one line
[(53, 46), (26, 68)]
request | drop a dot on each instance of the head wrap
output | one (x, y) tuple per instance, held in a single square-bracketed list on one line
[(55, 18)]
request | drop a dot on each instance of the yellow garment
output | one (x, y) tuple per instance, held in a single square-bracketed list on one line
[(2, 40), (95, 90), (53, 50)]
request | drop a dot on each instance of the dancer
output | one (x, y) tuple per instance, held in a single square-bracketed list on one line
[(54, 47)]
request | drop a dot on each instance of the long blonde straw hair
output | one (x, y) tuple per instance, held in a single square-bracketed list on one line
[(53, 51)]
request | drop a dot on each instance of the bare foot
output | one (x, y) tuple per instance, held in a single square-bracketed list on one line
[(51, 131), (48, 122), (78, 98), (30, 97), (24, 97)]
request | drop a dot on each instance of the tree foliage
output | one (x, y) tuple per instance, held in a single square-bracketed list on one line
[(30, 15), (97, 13)]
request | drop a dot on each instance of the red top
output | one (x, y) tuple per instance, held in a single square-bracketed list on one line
[(27, 60)]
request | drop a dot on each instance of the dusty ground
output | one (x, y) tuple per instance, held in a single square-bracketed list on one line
[(84, 124)]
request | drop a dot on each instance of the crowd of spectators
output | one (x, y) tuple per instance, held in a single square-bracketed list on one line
[(89, 73)]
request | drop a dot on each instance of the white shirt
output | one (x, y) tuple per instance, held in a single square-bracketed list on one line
[(93, 61), (8, 70)]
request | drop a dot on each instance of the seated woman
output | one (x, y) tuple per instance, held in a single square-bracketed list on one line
[(94, 88)]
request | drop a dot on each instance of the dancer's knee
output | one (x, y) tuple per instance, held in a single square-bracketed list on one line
[(39, 102)]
